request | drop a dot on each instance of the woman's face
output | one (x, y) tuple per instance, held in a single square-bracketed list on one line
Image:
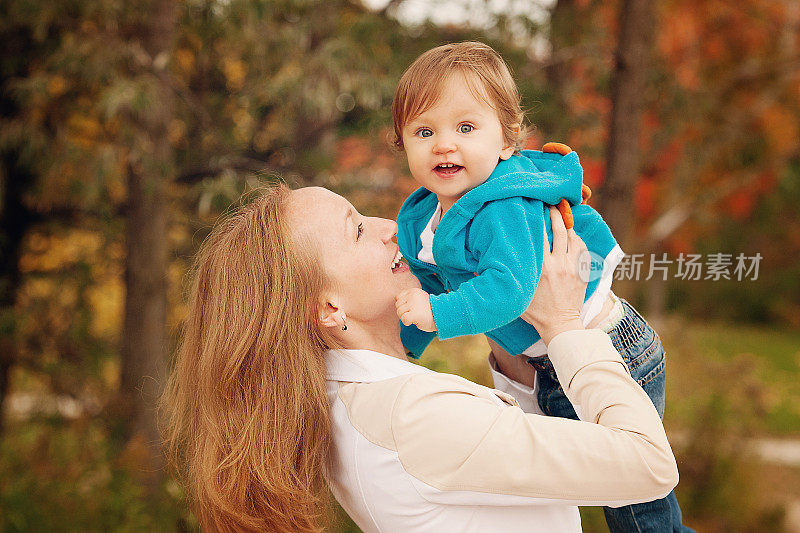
[(357, 253)]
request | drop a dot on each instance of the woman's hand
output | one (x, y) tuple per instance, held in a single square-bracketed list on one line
[(557, 302)]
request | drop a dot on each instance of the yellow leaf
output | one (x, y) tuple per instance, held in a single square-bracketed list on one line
[(185, 59), (176, 131), (84, 130), (235, 71), (56, 86), (106, 300)]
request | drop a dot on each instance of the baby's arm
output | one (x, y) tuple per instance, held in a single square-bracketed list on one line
[(414, 339), (508, 268), (506, 238)]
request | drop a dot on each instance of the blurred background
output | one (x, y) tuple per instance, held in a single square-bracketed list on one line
[(127, 128)]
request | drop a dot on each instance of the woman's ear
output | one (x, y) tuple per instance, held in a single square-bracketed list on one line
[(332, 316)]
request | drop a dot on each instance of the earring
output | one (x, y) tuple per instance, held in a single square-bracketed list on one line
[(344, 328)]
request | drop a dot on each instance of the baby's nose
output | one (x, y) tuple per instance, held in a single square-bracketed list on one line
[(444, 146)]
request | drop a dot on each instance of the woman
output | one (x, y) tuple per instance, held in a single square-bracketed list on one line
[(291, 368)]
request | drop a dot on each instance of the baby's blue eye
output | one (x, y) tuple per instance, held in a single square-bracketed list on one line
[(465, 128), (424, 132)]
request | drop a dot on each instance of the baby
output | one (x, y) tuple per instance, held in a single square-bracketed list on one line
[(474, 233)]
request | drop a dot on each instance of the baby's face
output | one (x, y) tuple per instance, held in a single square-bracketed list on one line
[(454, 146)]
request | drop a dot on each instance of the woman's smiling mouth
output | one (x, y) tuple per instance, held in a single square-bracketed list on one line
[(397, 264)]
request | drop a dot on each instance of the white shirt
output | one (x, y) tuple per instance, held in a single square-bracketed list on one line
[(421, 451)]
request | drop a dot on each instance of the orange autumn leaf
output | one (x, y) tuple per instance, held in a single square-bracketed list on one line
[(682, 241), (351, 153), (644, 195), (766, 182), (740, 204), (780, 129), (594, 172)]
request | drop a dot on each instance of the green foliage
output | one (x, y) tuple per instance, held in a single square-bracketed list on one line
[(727, 386), (721, 479), (58, 475), (300, 90), (764, 354)]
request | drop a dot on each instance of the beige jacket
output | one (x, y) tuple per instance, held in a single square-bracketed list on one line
[(421, 451)]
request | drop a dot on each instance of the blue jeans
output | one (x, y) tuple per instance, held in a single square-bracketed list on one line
[(641, 349)]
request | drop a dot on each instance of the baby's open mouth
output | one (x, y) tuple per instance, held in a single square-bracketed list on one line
[(447, 168)]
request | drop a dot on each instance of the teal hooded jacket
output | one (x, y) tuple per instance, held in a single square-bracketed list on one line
[(489, 246)]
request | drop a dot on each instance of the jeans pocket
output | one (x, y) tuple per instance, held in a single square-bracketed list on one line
[(636, 341), (654, 384), (650, 374), (644, 356), (641, 349)]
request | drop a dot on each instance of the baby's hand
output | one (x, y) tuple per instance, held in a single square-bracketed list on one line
[(414, 307), (586, 192)]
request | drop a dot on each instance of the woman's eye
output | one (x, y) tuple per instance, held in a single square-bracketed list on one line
[(425, 133), (360, 230), (465, 128)]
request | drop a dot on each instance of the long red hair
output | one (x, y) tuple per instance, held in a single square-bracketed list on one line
[(245, 414)]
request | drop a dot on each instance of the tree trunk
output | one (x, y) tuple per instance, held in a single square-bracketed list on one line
[(627, 89), (564, 35), (15, 220), (144, 336), (656, 290), (144, 344)]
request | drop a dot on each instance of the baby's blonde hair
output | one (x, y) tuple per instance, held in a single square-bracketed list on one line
[(486, 73)]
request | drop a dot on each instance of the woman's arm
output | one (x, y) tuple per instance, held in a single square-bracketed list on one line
[(470, 445), (557, 302), (454, 436)]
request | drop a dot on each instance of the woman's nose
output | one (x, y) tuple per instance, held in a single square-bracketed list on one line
[(387, 229)]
